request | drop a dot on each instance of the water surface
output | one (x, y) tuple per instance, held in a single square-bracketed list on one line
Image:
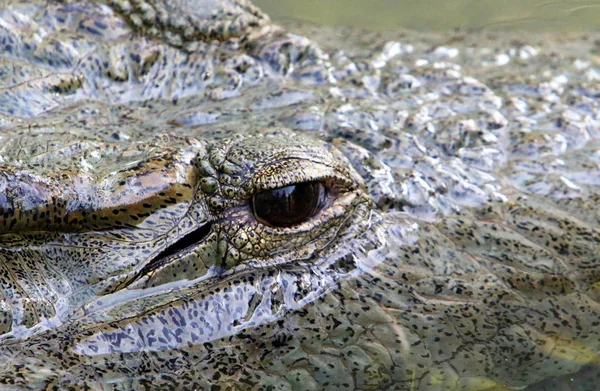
[(442, 15)]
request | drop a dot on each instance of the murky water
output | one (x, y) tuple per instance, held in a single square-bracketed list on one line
[(442, 15)]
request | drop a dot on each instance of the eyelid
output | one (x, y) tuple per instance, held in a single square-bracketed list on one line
[(288, 172)]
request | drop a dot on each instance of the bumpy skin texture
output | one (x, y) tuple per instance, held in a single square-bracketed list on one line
[(457, 250)]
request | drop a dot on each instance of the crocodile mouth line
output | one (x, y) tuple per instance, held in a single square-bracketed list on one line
[(180, 247)]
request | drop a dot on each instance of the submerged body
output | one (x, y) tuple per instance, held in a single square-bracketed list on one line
[(446, 234)]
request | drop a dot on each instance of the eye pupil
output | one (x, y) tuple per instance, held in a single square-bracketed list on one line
[(289, 205)]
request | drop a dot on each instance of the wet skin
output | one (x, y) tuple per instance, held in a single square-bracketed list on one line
[(196, 200)]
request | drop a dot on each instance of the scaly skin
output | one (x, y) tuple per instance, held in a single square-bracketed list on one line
[(457, 248)]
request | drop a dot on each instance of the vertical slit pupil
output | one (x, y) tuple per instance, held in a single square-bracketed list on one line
[(289, 205)]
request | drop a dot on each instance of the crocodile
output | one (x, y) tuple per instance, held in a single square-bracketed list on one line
[(193, 197)]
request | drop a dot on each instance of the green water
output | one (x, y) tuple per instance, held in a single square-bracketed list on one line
[(442, 15)]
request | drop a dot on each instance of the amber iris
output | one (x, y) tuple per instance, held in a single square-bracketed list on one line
[(290, 205)]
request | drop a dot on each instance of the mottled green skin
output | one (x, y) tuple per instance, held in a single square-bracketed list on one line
[(457, 250)]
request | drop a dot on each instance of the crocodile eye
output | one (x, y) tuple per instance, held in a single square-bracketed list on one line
[(289, 205)]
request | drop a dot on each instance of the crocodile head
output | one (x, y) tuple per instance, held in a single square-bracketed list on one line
[(192, 198), (193, 211)]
